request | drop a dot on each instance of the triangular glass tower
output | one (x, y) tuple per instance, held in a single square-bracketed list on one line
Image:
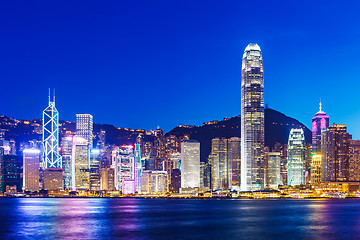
[(52, 158)]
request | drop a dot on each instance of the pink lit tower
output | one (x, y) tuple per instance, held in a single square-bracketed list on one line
[(319, 123)]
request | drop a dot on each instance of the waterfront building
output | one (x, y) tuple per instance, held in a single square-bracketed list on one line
[(138, 164), (107, 179), (84, 128), (159, 148), (272, 170), (283, 171), (53, 179), (128, 186), (234, 155), (221, 167), (316, 169), (154, 182), (190, 164), (31, 167), (50, 136), (95, 169), (296, 157), (202, 174), (81, 171), (124, 164), (354, 160), (207, 173), (308, 158), (319, 123), (175, 184), (334, 152), (66, 144), (10, 172), (252, 119)]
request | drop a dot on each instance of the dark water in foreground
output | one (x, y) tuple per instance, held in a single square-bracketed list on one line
[(100, 218)]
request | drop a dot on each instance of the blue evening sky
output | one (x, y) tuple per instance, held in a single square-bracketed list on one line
[(143, 64)]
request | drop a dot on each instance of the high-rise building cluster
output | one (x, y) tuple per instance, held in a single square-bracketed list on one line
[(79, 160)]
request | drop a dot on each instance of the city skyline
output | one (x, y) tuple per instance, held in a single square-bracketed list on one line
[(198, 52)]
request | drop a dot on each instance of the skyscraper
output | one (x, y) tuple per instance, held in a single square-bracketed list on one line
[(296, 157), (138, 164), (234, 154), (221, 168), (252, 119), (319, 123), (315, 176), (50, 136), (84, 128), (354, 160), (31, 166), (190, 164), (95, 169), (272, 169), (81, 164), (124, 164), (66, 144), (334, 164)]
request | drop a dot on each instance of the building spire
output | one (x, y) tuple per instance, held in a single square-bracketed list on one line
[(320, 104), (54, 96), (49, 96)]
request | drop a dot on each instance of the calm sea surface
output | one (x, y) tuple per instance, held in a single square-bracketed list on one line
[(101, 218)]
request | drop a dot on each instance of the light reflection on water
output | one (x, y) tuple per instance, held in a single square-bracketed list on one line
[(102, 218)]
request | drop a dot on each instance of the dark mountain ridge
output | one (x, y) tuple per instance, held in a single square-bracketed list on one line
[(277, 129)]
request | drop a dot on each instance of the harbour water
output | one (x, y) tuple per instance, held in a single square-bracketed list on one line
[(130, 218)]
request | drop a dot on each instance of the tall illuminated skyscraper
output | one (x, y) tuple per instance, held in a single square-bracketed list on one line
[(124, 164), (138, 164), (334, 149), (95, 158), (252, 119), (272, 169), (80, 165), (190, 164), (31, 162), (66, 144), (221, 166), (84, 127), (50, 137), (296, 157), (234, 149), (319, 123)]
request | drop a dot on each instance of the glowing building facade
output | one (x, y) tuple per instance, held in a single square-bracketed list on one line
[(124, 164), (315, 176), (296, 157), (31, 166), (234, 154), (138, 165), (53, 179), (334, 164), (220, 165), (319, 123), (84, 128), (190, 164), (95, 169), (50, 136), (354, 160), (81, 165), (272, 170), (252, 119), (154, 182), (66, 154)]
